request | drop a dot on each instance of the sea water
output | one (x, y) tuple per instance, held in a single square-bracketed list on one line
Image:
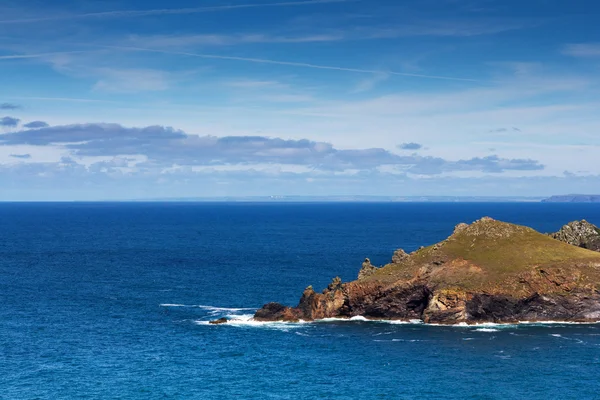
[(112, 300)]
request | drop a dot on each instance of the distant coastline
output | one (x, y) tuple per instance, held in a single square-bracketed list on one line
[(352, 199), (573, 198)]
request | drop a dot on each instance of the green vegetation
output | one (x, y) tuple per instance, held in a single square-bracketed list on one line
[(501, 248), (489, 254)]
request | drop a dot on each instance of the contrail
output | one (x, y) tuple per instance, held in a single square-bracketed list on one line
[(65, 99), (291, 64), (39, 55), (168, 11)]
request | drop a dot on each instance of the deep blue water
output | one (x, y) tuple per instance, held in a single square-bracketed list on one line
[(83, 289)]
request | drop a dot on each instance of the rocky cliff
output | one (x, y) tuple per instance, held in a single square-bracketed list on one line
[(488, 271)]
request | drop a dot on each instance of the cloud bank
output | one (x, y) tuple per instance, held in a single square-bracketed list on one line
[(164, 147)]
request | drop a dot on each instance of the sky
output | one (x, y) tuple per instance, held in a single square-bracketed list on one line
[(128, 99)]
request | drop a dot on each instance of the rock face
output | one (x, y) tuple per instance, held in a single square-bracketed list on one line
[(488, 271), (580, 233)]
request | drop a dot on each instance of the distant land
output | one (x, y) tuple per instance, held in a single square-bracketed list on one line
[(573, 198), (351, 199)]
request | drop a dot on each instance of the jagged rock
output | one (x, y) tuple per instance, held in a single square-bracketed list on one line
[(367, 269), (399, 256), (219, 321), (580, 233), (488, 271), (336, 283)]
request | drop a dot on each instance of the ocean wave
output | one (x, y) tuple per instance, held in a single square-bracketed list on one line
[(353, 319), (557, 323), (360, 318), (409, 322), (556, 335), (486, 330), (209, 308)]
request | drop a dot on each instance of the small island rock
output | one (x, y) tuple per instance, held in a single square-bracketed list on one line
[(219, 321)]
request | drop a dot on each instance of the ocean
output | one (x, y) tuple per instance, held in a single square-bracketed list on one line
[(111, 301)]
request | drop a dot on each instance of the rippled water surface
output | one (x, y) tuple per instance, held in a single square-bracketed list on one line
[(112, 301)]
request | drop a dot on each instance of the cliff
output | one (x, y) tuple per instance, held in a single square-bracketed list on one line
[(488, 271)]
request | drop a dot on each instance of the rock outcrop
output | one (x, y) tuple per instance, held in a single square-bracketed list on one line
[(367, 269), (580, 233), (488, 271), (399, 256)]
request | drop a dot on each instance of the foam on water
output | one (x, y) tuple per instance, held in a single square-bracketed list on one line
[(247, 320), (409, 322), (557, 323), (353, 319)]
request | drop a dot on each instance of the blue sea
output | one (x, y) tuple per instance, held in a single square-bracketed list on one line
[(111, 301)]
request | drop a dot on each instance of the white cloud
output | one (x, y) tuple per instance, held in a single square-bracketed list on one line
[(131, 80), (166, 42), (368, 84), (163, 147), (162, 11), (255, 84), (582, 50), (288, 63)]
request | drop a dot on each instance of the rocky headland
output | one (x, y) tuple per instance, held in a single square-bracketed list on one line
[(488, 271)]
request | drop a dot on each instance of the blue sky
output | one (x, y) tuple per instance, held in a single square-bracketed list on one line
[(145, 99)]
